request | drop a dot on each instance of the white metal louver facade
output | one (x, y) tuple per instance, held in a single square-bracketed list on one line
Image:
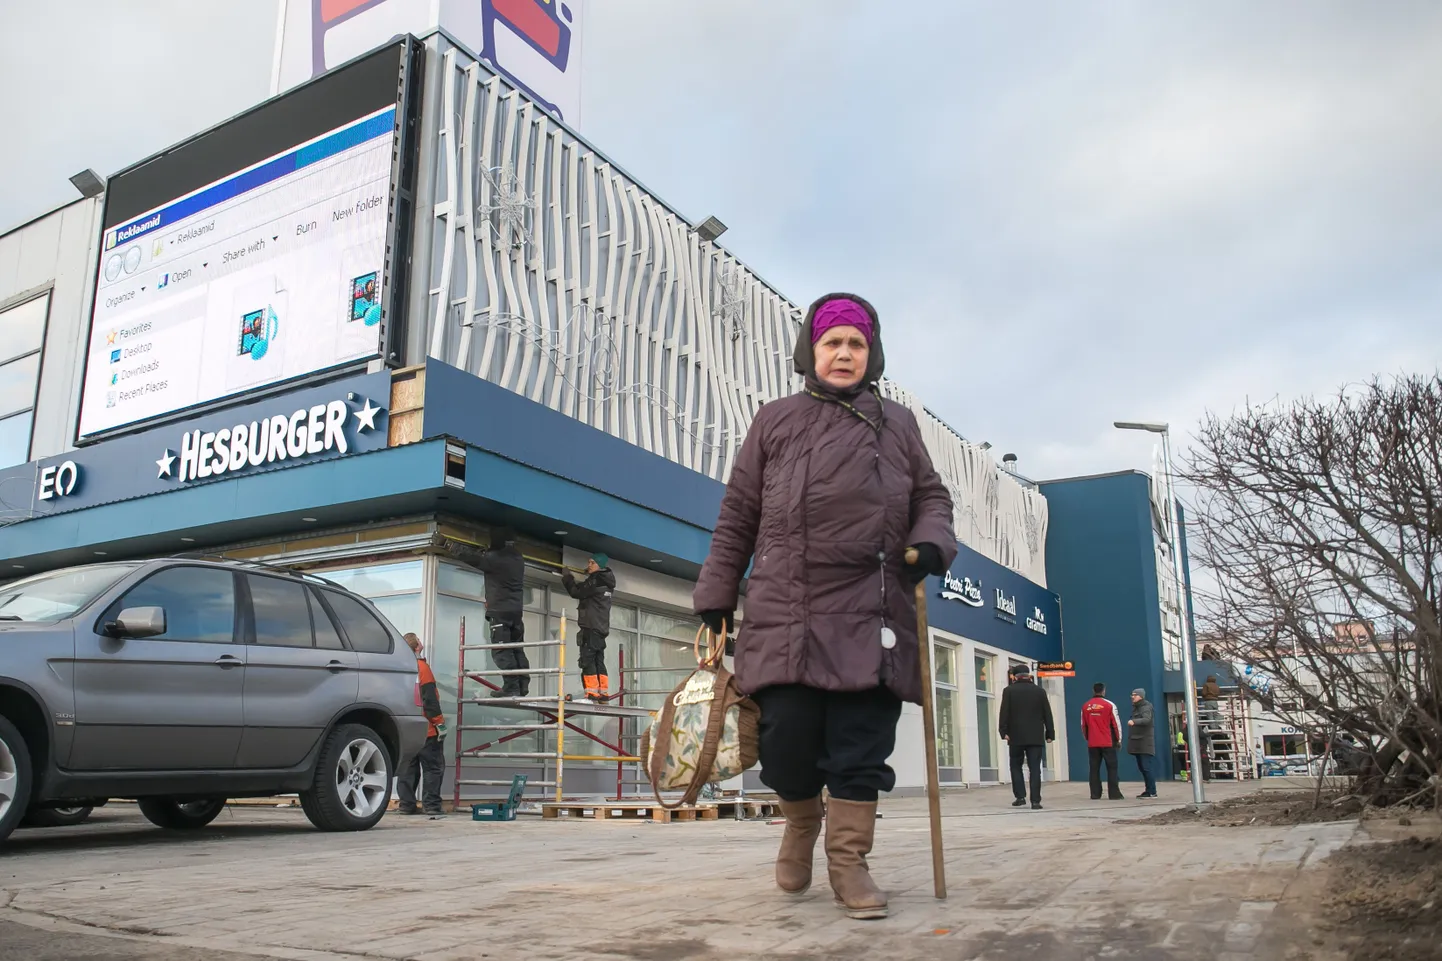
[(556, 275)]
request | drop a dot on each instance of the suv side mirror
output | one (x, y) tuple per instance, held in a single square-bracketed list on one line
[(138, 622)]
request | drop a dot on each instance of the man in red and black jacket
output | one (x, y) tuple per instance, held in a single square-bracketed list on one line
[(424, 770), (1102, 726)]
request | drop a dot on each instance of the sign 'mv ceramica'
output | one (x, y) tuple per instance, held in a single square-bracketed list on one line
[(345, 416), (986, 602)]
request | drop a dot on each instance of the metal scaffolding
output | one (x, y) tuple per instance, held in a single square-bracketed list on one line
[(552, 713)]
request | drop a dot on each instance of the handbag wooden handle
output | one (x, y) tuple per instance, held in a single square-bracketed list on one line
[(715, 645)]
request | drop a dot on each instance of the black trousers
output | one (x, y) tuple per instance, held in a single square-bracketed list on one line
[(424, 772), (1096, 755), (593, 652), (839, 740), (510, 629), (1030, 755)]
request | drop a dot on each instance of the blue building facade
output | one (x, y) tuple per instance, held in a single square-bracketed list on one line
[(1102, 558)]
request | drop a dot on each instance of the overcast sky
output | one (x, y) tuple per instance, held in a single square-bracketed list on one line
[(1066, 213)]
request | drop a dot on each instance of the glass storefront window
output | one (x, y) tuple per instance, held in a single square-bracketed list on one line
[(379, 578), (947, 752), (948, 722), (983, 673), (674, 628), (664, 663), (451, 579), (402, 610), (623, 617), (986, 735), (563, 603), (945, 659)]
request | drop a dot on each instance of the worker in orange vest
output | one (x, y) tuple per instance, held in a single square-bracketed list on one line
[(424, 770)]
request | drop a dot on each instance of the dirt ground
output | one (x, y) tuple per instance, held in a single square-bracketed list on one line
[(1267, 807), (1371, 902), (1377, 901)]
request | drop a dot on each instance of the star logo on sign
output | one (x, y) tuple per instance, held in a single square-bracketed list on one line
[(165, 464), (366, 416)]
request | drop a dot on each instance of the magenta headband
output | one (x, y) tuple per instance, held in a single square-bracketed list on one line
[(841, 312)]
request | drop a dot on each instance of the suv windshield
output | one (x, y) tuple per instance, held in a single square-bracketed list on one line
[(58, 594)]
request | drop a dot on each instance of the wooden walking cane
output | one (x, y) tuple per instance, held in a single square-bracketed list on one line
[(928, 726)]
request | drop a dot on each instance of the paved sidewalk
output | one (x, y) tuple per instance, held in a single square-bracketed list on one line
[(1068, 882)]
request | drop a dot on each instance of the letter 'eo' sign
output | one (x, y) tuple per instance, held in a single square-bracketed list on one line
[(58, 481)]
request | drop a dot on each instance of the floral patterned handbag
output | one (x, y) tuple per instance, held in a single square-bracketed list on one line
[(706, 731)]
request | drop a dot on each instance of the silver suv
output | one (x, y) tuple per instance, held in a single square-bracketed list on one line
[(184, 681)]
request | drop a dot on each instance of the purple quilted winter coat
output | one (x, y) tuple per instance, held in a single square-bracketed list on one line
[(827, 502)]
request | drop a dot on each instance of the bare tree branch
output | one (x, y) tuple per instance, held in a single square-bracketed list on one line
[(1321, 524)]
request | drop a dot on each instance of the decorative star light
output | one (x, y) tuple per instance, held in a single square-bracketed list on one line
[(1033, 531), (506, 206), (730, 307), (366, 416), (165, 463), (599, 354)]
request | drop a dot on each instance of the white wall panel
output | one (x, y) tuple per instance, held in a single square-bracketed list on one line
[(560, 278)]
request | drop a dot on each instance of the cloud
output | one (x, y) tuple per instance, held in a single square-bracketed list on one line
[(1067, 214), (103, 85)]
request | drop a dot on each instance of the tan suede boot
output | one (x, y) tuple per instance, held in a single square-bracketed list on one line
[(798, 844), (850, 829)]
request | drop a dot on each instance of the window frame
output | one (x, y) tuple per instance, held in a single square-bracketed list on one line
[(991, 696), (238, 613), (339, 622), (948, 651), (1287, 741), (318, 609), (252, 637), (39, 352)]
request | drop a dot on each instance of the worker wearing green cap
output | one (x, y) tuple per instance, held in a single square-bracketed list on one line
[(594, 621)]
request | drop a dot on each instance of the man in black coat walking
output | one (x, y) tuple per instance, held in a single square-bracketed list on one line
[(594, 622), (505, 570), (1026, 724)]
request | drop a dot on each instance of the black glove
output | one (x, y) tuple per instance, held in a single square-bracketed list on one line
[(928, 562), (718, 621)]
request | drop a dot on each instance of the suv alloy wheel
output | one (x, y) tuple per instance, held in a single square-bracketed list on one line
[(352, 785), (14, 778)]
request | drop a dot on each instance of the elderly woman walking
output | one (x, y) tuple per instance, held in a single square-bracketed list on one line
[(831, 487)]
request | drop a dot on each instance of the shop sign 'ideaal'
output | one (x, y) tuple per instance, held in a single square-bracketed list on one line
[(307, 431), (968, 591)]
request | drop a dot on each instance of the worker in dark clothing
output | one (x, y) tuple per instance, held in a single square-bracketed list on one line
[(594, 622), (423, 771), (1141, 741), (1102, 725), (505, 571), (1026, 725)]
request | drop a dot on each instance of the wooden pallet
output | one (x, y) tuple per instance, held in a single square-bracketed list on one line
[(748, 808), (628, 811)]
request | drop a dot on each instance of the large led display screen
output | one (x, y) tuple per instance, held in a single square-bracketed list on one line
[(271, 268)]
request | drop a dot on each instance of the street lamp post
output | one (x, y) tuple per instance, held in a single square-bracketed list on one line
[(1194, 756)]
